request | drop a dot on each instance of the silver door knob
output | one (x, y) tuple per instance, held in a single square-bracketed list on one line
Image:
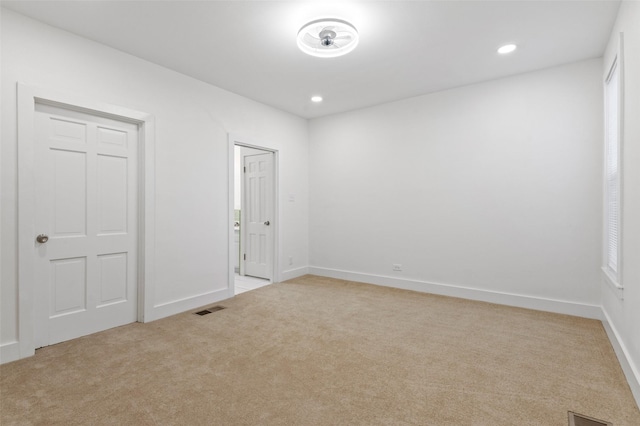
[(42, 238), (267, 223)]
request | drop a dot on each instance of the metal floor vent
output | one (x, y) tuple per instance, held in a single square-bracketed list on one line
[(210, 310), (576, 419)]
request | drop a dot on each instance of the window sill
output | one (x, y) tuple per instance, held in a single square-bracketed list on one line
[(613, 284)]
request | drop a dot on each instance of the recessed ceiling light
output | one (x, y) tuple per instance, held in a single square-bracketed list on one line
[(316, 99), (507, 48), (327, 38)]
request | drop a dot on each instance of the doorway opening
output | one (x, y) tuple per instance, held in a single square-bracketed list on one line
[(253, 249)]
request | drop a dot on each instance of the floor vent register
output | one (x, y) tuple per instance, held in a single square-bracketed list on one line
[(210, 310), (576, 419)]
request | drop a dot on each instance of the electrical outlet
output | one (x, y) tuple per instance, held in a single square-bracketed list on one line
[(290, 260), (397, 267)]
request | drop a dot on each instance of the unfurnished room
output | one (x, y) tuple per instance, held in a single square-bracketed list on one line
[(320, 213)]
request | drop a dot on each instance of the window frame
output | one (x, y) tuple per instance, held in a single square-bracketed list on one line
[(613, 277)]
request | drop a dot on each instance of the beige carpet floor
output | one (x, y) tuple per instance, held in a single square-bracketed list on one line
[(318, 351)]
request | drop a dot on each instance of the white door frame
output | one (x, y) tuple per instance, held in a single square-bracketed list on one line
[(28, 96), (249, 143)]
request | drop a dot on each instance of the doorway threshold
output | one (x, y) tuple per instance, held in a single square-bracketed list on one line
[(245, 283)]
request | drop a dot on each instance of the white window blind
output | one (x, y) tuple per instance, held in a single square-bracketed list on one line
[(612, 177)]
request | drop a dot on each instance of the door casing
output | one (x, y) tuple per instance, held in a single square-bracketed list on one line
[(28, 96)]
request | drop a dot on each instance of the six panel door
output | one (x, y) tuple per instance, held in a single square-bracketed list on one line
[(86, 204), (258, 213)]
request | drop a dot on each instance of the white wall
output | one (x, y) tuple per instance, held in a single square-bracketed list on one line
[(623, 316), (494, 187), (192, 122)]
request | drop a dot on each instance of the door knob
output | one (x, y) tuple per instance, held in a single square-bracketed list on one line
[(42, 238), (267, 223)]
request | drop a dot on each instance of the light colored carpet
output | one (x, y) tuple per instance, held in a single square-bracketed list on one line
[(318, 351)]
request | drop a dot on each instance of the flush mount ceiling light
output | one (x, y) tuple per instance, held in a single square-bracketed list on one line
[(327, 38), (507, 48), (316, 99)]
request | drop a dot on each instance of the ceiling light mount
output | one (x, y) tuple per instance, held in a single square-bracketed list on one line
[(327, 38)]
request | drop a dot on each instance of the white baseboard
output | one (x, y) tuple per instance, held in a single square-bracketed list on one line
[(520, 301), (9, 352), (178, 306), (630, 370), (294, 273)]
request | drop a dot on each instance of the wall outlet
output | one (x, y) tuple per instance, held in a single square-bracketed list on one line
[(290, 260), (397, 267)]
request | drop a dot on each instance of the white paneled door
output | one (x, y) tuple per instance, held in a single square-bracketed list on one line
[(86, 224), (258, 215)]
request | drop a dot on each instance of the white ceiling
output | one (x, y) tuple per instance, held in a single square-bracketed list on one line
[(407, 48)]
